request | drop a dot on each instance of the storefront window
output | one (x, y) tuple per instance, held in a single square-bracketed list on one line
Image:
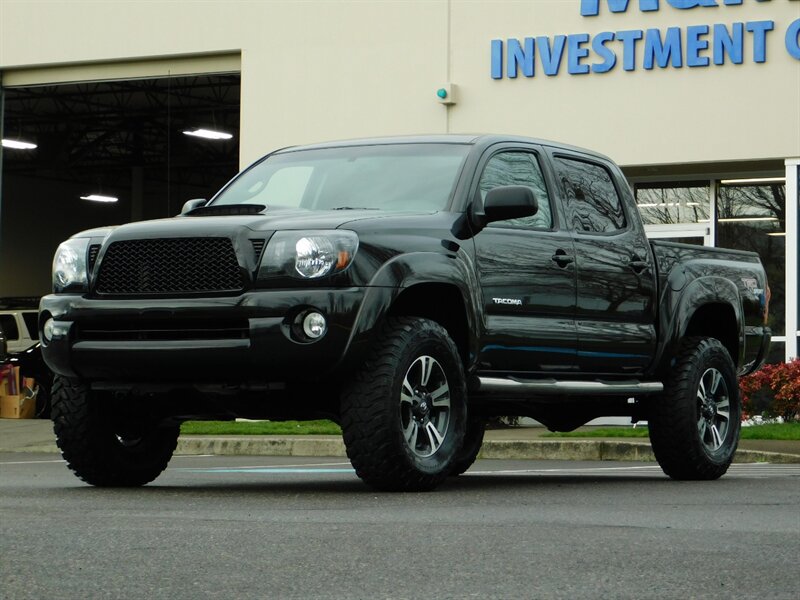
[(673, 203), (752, 217)]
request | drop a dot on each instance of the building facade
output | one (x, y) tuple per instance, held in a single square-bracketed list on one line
[(697, 100)]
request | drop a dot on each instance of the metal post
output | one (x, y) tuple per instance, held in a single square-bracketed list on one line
[(792, 235), (2, 122)]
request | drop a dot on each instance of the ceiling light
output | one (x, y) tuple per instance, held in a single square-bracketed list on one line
[(777, 233), (753, 180), (99, 198), (742, 219), (209, 134), (18, 145)]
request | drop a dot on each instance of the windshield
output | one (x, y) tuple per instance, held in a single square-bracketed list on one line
[(400, 177)]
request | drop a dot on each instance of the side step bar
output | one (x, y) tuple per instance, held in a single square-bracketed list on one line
[(548, 387)]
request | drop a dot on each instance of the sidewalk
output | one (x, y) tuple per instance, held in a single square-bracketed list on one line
[(523, 443)]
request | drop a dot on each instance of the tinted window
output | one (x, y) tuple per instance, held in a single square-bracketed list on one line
[(9, 326), (518, 168), (591, 201), (392, 177)]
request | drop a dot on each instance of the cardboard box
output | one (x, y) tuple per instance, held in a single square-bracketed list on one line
[(16, 402), (9, 381), (17, 407)]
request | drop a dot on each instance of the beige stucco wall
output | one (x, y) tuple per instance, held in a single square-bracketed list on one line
[(319, 70)]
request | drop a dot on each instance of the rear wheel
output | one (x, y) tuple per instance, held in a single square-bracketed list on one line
[(102, 447), (403, 416), (694, 427)]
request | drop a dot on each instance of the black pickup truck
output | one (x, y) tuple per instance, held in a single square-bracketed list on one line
[(409, 289)]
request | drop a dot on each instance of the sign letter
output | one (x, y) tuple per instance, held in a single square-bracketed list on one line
[(591, 8)]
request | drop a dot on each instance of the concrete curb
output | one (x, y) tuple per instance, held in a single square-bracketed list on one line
[(588, 450), (244, 445), (332, 446)]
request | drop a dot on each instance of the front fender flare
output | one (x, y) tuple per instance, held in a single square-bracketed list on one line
[(401, 273)]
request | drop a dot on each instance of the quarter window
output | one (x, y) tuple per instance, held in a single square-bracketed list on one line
[(518, 168), (591, 202)]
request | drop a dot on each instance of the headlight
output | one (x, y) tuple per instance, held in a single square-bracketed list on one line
[(69, 266), (309, 254)]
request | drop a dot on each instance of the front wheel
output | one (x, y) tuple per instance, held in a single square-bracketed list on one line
[(694, 427), (102, 447), (473, 440), (403, 416)]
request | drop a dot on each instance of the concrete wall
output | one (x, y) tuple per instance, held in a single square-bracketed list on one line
[(319, 70)]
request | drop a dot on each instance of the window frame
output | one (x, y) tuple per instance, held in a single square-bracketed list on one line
[(538, 155), (557, 154)]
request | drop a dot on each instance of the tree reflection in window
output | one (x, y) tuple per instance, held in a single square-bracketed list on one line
[(752, 217), (518, 168), (590, 198), (673, 203)]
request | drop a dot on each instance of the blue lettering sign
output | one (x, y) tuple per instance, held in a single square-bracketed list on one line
[(497, 59), (576, 52), (591, 8), (629, 39), (517, 56), (551, 58), (695, 45), (599, 46), (662, 52), (759, 30), (793, 39), (727, 43), (686, 4), (689, 45)]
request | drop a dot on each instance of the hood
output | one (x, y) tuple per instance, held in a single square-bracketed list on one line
[(268, 221)]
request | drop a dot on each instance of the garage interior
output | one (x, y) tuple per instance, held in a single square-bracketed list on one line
[(102, 140)]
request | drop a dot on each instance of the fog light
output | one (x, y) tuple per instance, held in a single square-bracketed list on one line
[(48, 330), (314, 325)]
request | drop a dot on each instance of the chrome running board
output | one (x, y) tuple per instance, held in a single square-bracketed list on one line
[(551, 387)]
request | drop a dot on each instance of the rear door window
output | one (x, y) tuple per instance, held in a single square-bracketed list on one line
[(591, 201)]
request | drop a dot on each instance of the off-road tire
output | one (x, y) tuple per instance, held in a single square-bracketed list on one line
[(88, 432), (675, 419), (473, 440), (372, 418)]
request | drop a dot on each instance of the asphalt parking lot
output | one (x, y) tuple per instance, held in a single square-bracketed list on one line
[(269, 527)]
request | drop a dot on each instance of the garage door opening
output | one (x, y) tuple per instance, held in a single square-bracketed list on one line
[(83, 155)]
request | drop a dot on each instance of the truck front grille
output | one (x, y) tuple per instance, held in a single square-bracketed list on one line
[(169, 266)]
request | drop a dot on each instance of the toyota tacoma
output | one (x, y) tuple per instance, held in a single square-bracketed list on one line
[(409, 289)]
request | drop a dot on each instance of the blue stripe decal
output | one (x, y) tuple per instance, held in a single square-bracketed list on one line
[(581, 353), (530, 349)]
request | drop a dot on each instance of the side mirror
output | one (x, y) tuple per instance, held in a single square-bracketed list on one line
[(506, 202), (190, 205)]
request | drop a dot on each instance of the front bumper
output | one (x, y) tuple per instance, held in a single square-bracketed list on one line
[(144, 340)]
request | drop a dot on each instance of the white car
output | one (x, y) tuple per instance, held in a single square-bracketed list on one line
[(18, 323), (19, 327)]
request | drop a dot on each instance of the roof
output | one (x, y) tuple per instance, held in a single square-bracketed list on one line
[(466, 139)]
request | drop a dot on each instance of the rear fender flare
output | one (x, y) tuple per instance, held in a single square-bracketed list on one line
[(682, 305)]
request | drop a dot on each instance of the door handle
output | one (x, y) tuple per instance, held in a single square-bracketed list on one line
[(561, 258), (638, 265)]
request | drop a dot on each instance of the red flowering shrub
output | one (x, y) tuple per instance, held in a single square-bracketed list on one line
[(773, 390)]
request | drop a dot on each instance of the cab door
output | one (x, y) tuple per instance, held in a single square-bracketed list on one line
[(616, 285), (526, 269)]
